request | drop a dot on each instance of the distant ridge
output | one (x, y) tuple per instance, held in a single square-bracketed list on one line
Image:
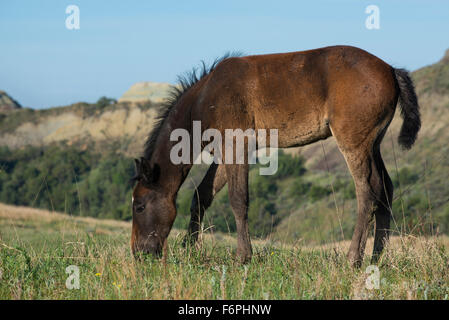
[(146, 91), (7, 103)]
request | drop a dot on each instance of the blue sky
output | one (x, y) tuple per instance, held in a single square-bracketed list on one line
[(43, 64)]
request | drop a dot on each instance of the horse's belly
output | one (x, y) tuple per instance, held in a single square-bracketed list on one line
[(300, 136), (295, 130)]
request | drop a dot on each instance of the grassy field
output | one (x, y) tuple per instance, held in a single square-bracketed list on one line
[(37, 246)]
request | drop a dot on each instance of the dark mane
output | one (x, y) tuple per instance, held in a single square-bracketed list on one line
[(184, 83)]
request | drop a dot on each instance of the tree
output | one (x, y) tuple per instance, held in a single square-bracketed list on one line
[(105, 101)]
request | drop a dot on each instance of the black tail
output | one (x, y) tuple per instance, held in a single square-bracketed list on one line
[(409, 109)]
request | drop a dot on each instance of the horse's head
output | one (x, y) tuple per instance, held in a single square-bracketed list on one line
[(153, 212)]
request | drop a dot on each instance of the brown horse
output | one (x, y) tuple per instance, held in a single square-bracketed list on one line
[(338, 91)]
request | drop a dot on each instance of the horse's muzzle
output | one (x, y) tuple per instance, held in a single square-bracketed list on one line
[(153, 249)]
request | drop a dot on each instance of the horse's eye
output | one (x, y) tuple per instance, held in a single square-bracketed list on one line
[(140, 209)]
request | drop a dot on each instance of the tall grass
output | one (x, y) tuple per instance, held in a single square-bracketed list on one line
[(37, 246)]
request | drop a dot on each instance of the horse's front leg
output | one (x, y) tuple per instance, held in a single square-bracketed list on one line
[(212, 183)]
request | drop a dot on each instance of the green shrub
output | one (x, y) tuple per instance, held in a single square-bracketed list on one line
[(317, 192), (406, 177), (289, 166), (68, 180), (299, 188)]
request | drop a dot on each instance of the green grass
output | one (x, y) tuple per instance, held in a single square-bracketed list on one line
[(37, 246)]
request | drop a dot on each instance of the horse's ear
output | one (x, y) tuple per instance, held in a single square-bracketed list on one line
[(137, 166), (145, 167), (156, 173), (137, 175), (149, 175)]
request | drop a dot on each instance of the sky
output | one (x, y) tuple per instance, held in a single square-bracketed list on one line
[(43, 64)]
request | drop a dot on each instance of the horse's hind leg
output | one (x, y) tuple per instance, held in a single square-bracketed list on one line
[(237, 176), (369, 174), (383, 214), (362, 166), (212, 183)]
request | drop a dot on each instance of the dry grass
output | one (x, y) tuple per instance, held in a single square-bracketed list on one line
[(11, 213)]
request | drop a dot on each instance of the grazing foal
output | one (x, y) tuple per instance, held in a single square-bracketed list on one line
[(307, 96)]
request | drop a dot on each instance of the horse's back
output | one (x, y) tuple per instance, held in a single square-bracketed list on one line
[(299, 93)]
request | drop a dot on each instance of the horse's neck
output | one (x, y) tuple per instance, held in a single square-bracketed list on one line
[(172, 175)]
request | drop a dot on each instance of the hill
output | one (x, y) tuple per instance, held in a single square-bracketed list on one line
[(146, 91), (80, 124), (7, 103)]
